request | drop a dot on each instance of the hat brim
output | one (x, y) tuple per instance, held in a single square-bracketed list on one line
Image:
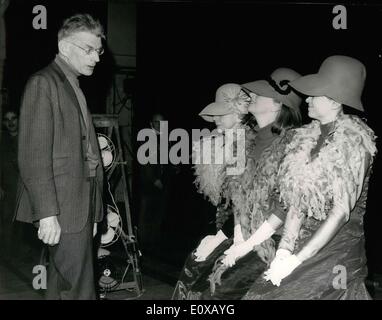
[(310, 85), (313, 85), (262, 88), (215, 109)]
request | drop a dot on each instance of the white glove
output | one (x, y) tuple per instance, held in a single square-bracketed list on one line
[(264, 232), (235, 252), (240, 247), (282, 269), (207, 245), (281, 254), (237, 235)]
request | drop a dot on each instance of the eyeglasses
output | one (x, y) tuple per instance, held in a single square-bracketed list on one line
[(249, 98), (88, 50)]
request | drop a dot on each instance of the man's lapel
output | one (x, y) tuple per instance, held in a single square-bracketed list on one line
[(71, 93)]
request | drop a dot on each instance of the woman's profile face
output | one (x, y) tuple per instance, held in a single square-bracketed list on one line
[(319, 107), (228, 121), (261, 105)]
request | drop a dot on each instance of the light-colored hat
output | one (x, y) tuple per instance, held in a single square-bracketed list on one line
[(229, 98), (277, 87), (340, 78)]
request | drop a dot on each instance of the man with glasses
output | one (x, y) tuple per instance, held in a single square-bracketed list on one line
[(59, 160)]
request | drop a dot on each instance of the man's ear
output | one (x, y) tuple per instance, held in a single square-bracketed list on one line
[(63, 47)]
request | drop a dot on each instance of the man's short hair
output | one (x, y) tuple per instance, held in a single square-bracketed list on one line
[(78, 23)]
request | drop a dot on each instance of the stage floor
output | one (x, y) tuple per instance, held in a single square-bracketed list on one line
[(16, 278), (158, 278)]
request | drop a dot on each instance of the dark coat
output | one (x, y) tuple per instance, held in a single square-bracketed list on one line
[(52, 154)]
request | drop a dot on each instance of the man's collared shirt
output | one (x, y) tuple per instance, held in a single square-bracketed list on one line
[(72, 77)]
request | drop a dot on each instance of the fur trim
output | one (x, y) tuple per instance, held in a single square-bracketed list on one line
[(312, 186)]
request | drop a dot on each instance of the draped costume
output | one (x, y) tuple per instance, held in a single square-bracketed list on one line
[(324, 168), (246, 196)]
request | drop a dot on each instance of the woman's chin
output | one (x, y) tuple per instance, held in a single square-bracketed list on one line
[(311, 115)]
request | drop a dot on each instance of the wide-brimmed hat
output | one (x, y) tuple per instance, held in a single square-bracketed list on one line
[(229, 98), (277, 87), (340, 78)]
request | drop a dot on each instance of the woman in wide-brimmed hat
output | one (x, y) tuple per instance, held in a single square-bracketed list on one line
[(232, 264), (227, 111), (322, 184)]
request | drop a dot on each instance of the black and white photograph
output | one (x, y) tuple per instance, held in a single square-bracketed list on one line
[(190, 150)]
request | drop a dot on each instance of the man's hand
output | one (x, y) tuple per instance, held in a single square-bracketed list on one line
[(94, 229), (49, 231), (236, 252)]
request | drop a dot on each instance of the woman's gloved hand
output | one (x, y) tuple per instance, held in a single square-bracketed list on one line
[(207, 245), (281, 269), (235, 252), (281, 254)]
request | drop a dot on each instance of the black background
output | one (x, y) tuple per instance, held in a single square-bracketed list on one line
[(186, 50)]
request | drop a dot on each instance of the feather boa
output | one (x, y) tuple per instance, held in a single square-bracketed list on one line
[(250, 192), (312, 186), (211, 177)]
